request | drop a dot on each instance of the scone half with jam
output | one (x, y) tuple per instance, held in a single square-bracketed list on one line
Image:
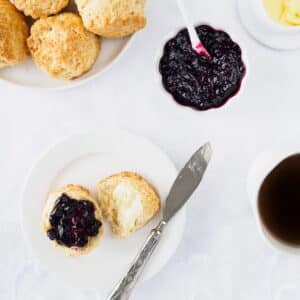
[(72, 219), (128, 202)]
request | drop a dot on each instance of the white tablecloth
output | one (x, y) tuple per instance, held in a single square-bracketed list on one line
[(221, 255)]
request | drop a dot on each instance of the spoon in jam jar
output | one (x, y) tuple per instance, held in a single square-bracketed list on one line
[(197, 45)]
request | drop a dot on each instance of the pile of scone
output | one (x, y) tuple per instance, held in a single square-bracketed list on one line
[(73, 219), (63, 44)]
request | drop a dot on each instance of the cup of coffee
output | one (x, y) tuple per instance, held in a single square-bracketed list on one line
[(274, 191)]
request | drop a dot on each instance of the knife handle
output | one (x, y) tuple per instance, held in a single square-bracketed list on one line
[(124, 288)]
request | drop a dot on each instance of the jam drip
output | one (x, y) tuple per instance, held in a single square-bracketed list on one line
[(73, 222), (197, 80)]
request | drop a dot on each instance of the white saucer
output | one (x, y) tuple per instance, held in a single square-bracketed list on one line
[(265, 30), (84, 159)]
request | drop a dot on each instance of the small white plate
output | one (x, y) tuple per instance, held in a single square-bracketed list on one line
[(27, 74), (265, 30), (84, 159)]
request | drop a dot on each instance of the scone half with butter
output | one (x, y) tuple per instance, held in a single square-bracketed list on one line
[(128, 202), (72, 219)]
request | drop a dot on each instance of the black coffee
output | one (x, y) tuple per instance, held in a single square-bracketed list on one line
[(279, 201)]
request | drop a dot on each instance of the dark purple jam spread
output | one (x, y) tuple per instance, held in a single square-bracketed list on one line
[(73, 222), (197, 80)]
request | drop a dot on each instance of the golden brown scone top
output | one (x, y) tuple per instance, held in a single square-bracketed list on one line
[(75, 192), (62, 47), (128, 202), (13, 34), (112, 18), (40, 8)]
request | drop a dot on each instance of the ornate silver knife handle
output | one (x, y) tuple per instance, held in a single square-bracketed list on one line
[(124, 288)]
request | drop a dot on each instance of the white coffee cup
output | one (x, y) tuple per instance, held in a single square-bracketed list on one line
[(260, 169)]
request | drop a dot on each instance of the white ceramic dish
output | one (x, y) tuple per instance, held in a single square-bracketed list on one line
[(262, 166), (221, 109), (265, 30), (84, 159), (27, 74)]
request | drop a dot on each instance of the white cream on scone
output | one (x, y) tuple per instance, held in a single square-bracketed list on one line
[(128, 200)]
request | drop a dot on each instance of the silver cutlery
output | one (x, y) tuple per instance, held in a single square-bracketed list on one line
[(183, 187)]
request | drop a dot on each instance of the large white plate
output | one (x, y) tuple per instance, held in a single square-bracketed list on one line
[(84, 159), (27, 74)]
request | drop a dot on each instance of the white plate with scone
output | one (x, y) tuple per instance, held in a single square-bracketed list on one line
[(125, 179), (49, 46)]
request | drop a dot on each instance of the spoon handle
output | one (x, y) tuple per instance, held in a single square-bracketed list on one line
[(190, 27)]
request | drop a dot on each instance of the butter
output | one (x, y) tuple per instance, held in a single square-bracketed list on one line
[(286, 12), (129, 202)]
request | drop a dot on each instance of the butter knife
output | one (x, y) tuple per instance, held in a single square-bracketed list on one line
[(183, 187)]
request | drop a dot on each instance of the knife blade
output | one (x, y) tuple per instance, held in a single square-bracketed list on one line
[(183, 187), (187, 181)]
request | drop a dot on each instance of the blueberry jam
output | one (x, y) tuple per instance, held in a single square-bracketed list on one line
[(73, 222), (197, 80)]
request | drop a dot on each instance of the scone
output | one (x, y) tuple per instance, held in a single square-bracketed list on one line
[(62, 47), (128, 202), (13, 34), (72, 219), (40, 8), (112, 18)]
